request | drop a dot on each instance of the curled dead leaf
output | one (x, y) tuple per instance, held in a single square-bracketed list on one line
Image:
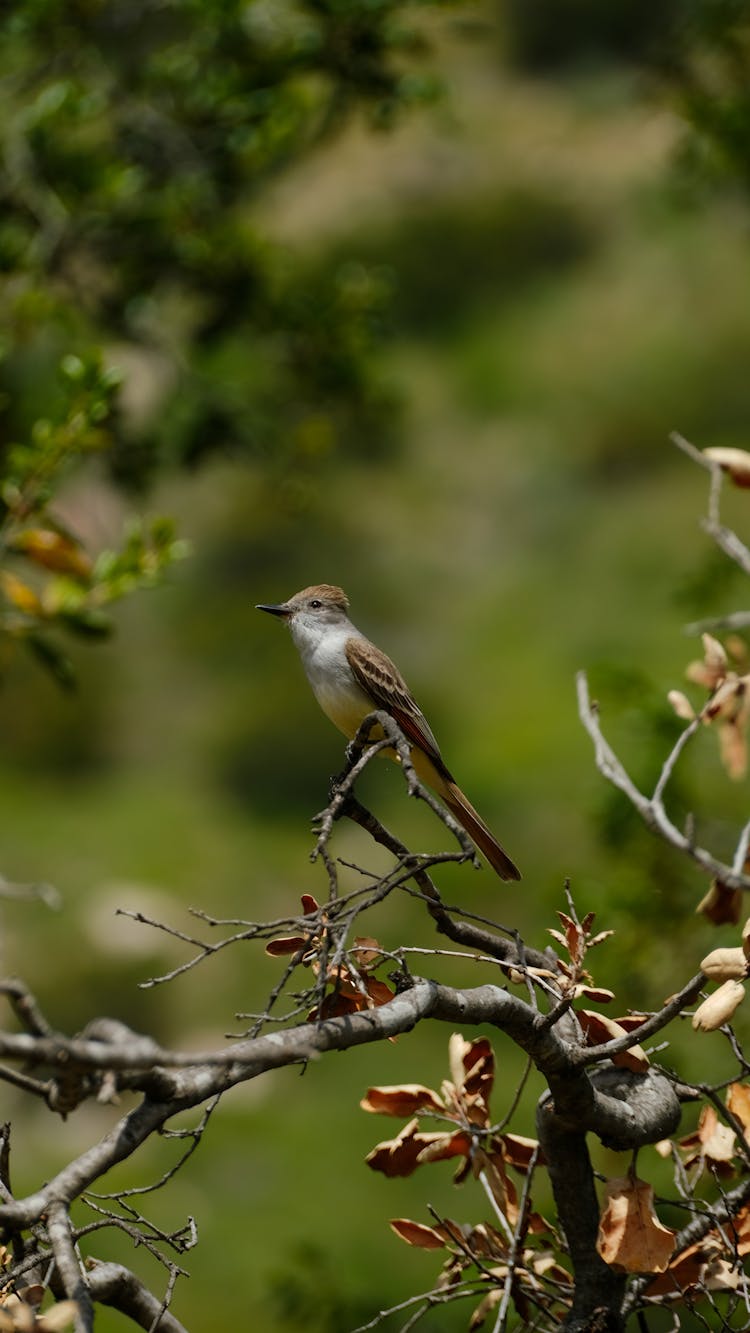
[(738, 1102), (403, 1099), (721, 904), (518, 1151), (285, 944), (631, 1238), (714, 653), (416, 1233), (682, 1273), (711, 1141), (681, 705), (401, 1156), (719, 1007), (735, 462), (725, 964), (600, 1029), (61, 1316)]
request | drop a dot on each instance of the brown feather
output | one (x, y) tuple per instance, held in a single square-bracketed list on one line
[(381, 679), (382, 682), (472, 821)]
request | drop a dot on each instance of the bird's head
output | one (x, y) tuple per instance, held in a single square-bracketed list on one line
[(313, 609)]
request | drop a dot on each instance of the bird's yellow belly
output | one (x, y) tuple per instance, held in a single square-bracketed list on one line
[(347, 709)]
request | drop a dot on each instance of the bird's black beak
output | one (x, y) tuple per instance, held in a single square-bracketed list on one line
[(274, 609)]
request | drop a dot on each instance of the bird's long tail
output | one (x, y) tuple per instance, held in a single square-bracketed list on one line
[(460, 806)]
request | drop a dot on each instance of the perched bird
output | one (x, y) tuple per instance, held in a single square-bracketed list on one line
[(350, 678)]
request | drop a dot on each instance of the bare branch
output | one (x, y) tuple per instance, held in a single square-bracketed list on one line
[(651, 809), (112, 1284), (68, 1267)]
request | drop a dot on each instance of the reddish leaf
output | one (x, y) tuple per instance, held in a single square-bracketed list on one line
[(599, 994), (366, 951), (378, 992), (286, 944), (415, 1233), (444, 1146), (682, 1273), (401, 1156), (735, 462), (599, 1029), (334, 1006), (721, 904), (401, 1099), (518, 1151), (631, 1022)]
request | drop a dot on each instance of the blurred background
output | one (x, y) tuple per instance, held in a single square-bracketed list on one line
[(406, 298)]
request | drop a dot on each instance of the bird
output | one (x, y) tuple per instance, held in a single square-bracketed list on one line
[(351, 678)]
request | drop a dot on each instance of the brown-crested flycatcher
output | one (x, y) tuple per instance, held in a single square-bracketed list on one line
[(350, 678)]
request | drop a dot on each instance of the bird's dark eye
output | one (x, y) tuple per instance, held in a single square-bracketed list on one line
[(315, 604)]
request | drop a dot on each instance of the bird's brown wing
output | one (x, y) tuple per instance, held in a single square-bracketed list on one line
[(382, 681)]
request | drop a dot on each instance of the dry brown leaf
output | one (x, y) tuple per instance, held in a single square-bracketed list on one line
[(681, 705), (472, 1065), (733, 748), (712, 1141), (721, 904), (738, 1102), (400, 1156), (416, 1233), (485, 1307), (599, 994), (518, 1151), (725, 964), (714, 654), (401, 1099), (631, 1022), (719, 1007), (366, 951), (61, 1316), (735, 462), (738, 1230), (600, 1029), (631, 1238), (682, 1273), (285, 944), (721, 1275), (492, 1167), (443, 1146)]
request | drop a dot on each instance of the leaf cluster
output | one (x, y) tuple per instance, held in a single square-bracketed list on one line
[(138, 140)]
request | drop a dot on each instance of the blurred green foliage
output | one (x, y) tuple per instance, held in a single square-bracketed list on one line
[(48, 580), (136, 140)]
